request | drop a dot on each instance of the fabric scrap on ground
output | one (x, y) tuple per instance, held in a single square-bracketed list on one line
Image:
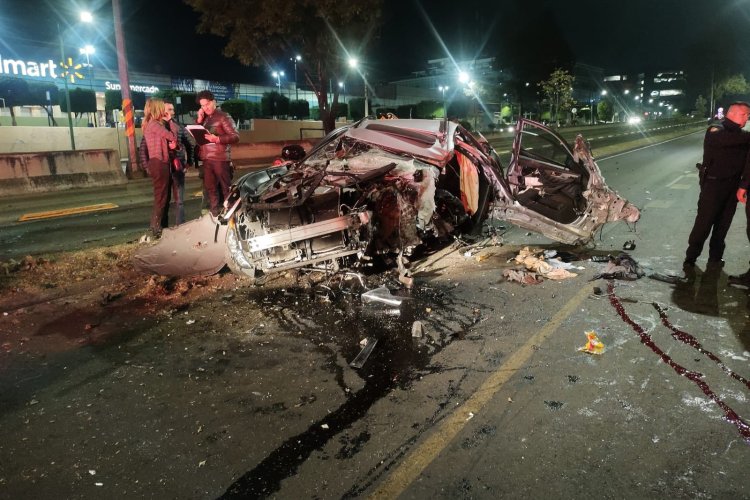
[(533, 261), (522, 276), (622, 267)]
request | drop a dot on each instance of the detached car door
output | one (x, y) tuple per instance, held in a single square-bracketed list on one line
[(558, 190)]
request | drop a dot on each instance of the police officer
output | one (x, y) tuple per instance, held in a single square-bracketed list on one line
[(744, 278), (725, 150)]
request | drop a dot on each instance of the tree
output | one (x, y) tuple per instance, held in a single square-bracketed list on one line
[(357, 108), (558, 88), (81, 101), (261, 30), (14, 92), (274, 104), (239, 109), (299, 109), (733, 85), (701, 106), (605, 110), (429, 109)]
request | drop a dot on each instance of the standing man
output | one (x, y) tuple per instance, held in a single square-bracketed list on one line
[(725, 150), (217, 170), (744, 278), (183, 155)]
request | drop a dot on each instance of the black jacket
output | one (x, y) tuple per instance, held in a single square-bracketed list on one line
[(725, 150)]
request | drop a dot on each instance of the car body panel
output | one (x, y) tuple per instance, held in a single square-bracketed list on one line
[(388, 186)]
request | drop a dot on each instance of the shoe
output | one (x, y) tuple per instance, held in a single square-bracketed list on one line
[(739, 279), (715, 263), (688, 264)]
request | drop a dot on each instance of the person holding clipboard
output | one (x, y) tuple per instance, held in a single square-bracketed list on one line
[(215, 137)]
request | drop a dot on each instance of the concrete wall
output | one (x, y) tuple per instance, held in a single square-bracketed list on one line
[(26, 139), (50, 171)]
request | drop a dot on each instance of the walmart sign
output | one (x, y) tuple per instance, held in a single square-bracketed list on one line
[(17, 67)]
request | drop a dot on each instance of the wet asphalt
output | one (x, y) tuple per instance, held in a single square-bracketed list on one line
[(251, 393)]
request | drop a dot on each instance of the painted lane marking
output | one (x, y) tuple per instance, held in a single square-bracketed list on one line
[(66, 211), (417, 461)]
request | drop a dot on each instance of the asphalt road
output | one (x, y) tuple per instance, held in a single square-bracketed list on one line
[(250, 394)]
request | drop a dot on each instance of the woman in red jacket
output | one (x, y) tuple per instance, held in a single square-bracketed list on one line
[(159, 140)]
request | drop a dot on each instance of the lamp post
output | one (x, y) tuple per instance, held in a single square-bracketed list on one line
[(87, 51), (278, 75), (67, 91), (353, 63), (296, 59), (442, 89)]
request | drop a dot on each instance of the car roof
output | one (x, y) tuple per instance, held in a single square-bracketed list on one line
[(429, 140)]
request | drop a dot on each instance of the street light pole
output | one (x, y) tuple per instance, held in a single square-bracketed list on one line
[(127, 103), (296, 59), (67, 92), (353, 63), (87, 50), (442, 89)]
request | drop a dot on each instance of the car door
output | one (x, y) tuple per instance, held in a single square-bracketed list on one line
[(558, 190)]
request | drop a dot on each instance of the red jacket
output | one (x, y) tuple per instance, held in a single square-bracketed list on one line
[(222, 125), (156, 137)]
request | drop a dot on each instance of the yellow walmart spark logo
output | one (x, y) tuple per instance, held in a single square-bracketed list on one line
[(70, 70)]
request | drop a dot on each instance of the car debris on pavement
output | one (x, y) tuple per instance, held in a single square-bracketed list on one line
[(379, 189)]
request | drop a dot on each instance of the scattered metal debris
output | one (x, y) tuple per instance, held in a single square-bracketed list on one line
[(361, 358)]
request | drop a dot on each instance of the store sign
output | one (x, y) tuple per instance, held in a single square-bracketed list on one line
[(18, 67), (146, 89)]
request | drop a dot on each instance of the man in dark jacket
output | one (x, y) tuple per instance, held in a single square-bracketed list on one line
[(725, 150), (744, 278), (216, 155)]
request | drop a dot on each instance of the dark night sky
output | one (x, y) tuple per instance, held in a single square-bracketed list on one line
[(617, 35)]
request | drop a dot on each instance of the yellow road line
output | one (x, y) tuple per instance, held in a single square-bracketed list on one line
[(417, 461), (66, 211)]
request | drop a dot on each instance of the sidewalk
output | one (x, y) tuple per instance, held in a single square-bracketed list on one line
[(136, 192)]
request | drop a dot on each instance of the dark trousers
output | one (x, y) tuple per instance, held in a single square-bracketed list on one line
[(161, 179), (716, 206), (217, 177), (178, 195)]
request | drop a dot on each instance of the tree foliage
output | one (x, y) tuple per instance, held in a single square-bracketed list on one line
[(558, 89), (259, 31), (81, 101), (605, 110), (430, 109), (299, 109), (113, 99), (733, 85), (239, 109), (701, 106), (20, 92), (273, 104)]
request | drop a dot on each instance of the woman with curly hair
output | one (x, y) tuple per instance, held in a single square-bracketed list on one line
[(159, 140)]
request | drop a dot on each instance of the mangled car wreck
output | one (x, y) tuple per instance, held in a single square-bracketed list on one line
[(388, 186)]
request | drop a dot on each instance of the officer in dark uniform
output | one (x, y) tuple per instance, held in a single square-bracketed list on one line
[(725, 151), (744, 278)]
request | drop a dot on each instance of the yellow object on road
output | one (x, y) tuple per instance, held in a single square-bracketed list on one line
[(593, 344), (66, 211)]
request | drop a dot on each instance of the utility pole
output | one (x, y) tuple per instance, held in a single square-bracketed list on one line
[(127, 103)]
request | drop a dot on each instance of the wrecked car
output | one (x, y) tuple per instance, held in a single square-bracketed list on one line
[(385, 187)]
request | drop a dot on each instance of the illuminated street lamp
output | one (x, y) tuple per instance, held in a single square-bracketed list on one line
[(296, 59), (353, 63), (86, 17), (442, 89)]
